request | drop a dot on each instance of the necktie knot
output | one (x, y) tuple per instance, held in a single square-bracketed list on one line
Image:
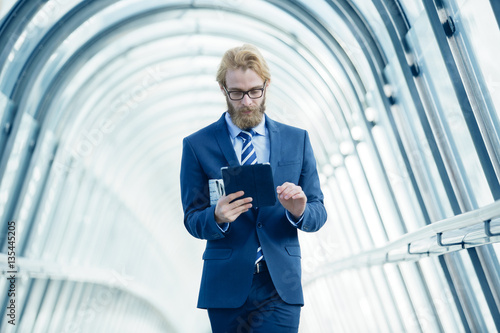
[(246, 135)]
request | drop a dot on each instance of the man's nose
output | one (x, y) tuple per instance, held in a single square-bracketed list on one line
[(246, 100)]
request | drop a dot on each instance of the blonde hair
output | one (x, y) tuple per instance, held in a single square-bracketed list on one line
[(245, 57)]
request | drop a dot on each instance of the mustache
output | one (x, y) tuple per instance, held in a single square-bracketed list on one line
[(248, 108)]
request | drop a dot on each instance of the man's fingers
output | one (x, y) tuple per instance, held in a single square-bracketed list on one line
[(235, 212), (293, 198), (230, 207), (232, 203), (239, 204), (299, 194), (283, 187), (289, 190), (232, 196)]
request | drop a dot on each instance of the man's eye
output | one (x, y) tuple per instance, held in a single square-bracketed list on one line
[(255, 93), (236, 94)]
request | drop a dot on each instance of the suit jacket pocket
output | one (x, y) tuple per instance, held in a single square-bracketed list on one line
[(288, 171), (217, 254), (293, 250)]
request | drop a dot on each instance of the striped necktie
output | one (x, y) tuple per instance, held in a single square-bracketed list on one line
[(249, 157)]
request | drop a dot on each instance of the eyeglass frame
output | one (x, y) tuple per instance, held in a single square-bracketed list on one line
[(245, 92)]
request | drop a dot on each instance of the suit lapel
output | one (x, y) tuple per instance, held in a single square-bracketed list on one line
[(222, 137), (275, 143), (274, 156)]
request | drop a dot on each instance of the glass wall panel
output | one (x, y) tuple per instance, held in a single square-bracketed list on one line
[(387, 304), (482, 38), (402, 300), (64, 221), (425, 317), (447, 120), (417, 149), (382, 196), (442, 297), (412, 9), (481, 311), (47, 15), (373, 313), (6, 117), (344, 238), (33, 184), (351, 289), (44, 220), (14, 162), (31, 304), (356, 219), (400, 181), (73, 312), (366, 204), (61, 308), (47, 306)]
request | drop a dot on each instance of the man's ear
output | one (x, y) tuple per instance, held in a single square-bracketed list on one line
[(222, 89), (268, 82)]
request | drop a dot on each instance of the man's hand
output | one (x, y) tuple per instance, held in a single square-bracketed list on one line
[(292, 198), (227, 211)]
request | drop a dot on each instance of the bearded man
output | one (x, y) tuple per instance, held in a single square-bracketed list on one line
[(251, 279)]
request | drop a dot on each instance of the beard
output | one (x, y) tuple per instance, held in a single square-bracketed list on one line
[(246, 121)]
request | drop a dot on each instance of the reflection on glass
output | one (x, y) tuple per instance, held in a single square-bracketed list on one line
[(351, 201), (425, 317), (442, 297), (412, 9), (447, 120), (387, 303), (351, 234), (10, 178), (401, 297), (476, 295), (481, 29), (365, 198), (383, 197)]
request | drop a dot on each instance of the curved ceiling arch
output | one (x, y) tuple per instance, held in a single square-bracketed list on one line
[(217, 9), (71, 64), (93, 57), (50, 95)]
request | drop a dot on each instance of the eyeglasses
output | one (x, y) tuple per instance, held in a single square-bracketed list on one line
[(237, 95)]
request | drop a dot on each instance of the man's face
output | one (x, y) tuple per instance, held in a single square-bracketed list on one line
[(247, 112)]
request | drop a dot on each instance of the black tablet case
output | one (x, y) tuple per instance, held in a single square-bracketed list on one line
[(255, 180)]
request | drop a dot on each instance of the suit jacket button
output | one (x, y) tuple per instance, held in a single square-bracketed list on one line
[(259, 225)]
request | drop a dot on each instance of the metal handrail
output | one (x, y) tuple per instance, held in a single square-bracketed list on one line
[(432, 234)]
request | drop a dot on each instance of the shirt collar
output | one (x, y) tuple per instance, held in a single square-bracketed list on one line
[(234, 130)]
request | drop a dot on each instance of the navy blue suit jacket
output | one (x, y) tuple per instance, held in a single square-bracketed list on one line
[(229, 256)]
